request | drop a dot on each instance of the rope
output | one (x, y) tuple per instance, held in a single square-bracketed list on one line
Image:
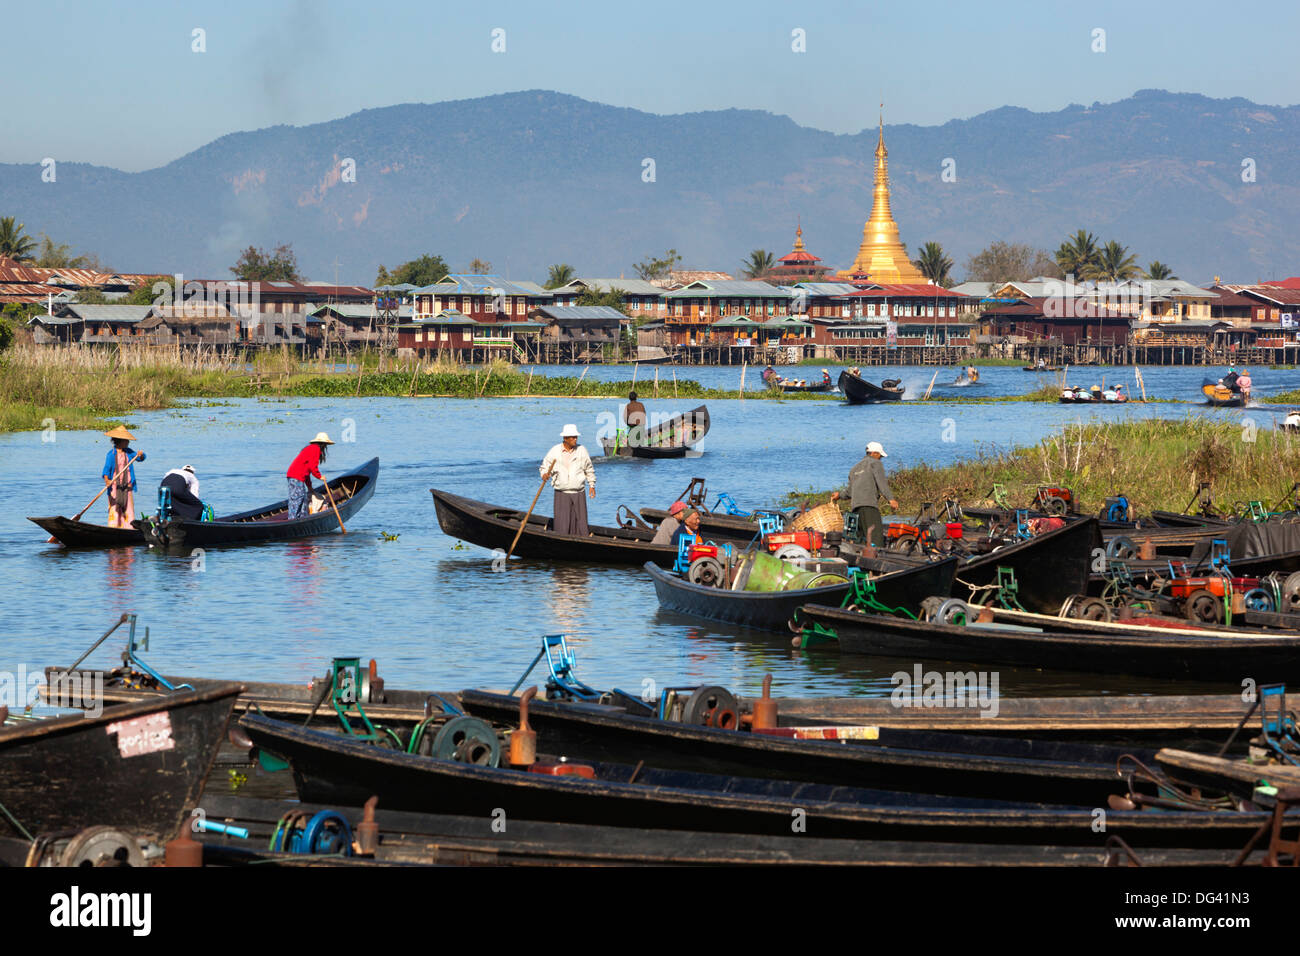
[(18, 826)]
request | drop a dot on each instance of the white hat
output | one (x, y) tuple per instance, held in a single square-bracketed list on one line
[(570, 431), (189, 468), (322, 438), (876, 446)]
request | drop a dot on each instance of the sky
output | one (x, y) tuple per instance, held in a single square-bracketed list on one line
[(123, 84)]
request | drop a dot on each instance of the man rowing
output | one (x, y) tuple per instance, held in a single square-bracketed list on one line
[(569, 468)]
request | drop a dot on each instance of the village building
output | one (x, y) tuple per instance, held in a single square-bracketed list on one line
[(580, 333), (484, 298), (641, 299), (798, 265), (694, 308)]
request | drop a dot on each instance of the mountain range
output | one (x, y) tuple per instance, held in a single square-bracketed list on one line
[(527, 179)]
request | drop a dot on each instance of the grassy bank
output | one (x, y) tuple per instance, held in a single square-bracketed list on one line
[(94, 388), (1158, 464)]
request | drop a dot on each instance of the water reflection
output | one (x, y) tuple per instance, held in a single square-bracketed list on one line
[(568, 597), (118, 573), (303, 562)]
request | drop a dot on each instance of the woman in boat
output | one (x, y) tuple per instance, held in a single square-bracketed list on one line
[(1243, 385), (304, 466), (690, 525), (183, 491), (569, 468), (119, 478)]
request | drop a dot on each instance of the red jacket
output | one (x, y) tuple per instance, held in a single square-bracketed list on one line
[(307, 462)]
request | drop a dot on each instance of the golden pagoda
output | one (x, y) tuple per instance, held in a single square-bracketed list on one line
[(881, 257)]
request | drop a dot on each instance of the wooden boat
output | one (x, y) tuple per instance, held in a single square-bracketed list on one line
[(1235, 777), (674, 438), (1221, 397), (858, 391), (772, 610), (924, 762), (444, 840), (712, 525), (490, 526), (72, 533), (823, 386), (1169, 656), (137, 767), (1081, 396), (351, 491), (1041, 368), (331, 770)]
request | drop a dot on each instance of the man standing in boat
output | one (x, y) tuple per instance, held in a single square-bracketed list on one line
[(634, 419), (867, 485), (569, 467)]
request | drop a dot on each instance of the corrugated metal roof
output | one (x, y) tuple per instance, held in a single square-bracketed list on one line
[(728, 288), (109, 313), (481, 285), (827, 288), (628, 286), (581, 312), (912, 290)]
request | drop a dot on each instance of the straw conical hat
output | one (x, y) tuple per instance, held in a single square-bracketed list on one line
[(322, 438), (120, 432)]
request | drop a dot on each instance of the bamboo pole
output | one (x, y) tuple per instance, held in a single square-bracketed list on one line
[(485, 382), (743, 365), (529, 383), (529, 513), (656, 381), (413, 375), (674, 383), (330, 494), (930, 386), (578, 386)]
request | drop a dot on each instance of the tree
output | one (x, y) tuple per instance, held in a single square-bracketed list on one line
[(478, 267), (91, 297), (658, 268), (54, 255), (423, 271), (144, 295), (1008, 262), (1158, 270), (934, 265), (1077, 256), (613, 298), (1114, 264), (14, 243), (759, 264), (559, 275), (256, 265)]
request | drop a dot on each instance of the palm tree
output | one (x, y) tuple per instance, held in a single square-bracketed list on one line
[(1158, 270), (934, 265), (1114, 264), (559, 275), (14, 243), (1078, 254), (760, 262)]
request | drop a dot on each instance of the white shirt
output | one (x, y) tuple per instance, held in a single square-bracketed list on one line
[(191, 482), (573, 469)]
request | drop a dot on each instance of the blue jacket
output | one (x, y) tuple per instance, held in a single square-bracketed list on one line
[(110, 464)]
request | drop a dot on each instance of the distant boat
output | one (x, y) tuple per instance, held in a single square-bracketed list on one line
[(857, 391), (1220, 396), (675, 438)]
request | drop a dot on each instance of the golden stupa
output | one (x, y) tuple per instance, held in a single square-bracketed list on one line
[(881, 257)]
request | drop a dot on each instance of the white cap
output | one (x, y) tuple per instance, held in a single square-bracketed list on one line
[(189, 468), (570, 431), (876, 446)]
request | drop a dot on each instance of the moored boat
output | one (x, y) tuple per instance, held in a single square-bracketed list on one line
[(350, 491)]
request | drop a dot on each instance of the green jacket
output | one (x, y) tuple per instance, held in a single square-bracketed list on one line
[(867, 484)]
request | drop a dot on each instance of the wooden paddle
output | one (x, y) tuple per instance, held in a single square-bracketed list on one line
[(330, 494), (528, 514), (51, 539)]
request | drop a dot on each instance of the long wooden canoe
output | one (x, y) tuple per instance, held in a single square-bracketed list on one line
[(674, 438), (772, 610), (72, 533), (332, 770), (1031, 771), (351, 491), (494, 527), (137, 767), (1266, 658), (1220, 396)]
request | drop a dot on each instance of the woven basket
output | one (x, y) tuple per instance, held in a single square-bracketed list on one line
[(823, 518)]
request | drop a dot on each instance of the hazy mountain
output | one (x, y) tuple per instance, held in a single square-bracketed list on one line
[(529, 179)]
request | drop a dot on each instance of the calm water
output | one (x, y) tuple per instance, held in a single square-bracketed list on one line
[(431, 609)]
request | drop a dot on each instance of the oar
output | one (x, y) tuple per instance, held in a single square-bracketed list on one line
[(51, 539), (335, 507), (529, 513)]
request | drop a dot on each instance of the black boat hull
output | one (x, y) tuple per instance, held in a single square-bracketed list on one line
[(860, 392), (334, 770), (137, 767), (675, 438), (772, 610), (270, 523), (72, 533)]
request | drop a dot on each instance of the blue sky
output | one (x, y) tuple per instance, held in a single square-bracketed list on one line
[(117, 84)]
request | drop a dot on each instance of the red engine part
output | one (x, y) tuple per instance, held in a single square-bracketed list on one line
[(808, 540), (899, 529), (1216, 584), (954, 529), (566, 769), (704, 551)]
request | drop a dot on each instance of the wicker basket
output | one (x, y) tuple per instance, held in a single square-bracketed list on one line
[(823, 518)]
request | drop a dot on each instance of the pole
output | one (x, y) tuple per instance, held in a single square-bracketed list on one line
[(52, 539), (529, 513), (330, 494)]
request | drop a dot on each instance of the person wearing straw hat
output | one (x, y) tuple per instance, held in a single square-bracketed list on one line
[(183, 491), (867, 485), (569, 467), (119, 478), (304, 466)]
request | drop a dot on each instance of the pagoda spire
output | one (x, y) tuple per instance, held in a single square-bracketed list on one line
[(881, 256)]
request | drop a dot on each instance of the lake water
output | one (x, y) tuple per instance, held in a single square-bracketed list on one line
[(431, 609)]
